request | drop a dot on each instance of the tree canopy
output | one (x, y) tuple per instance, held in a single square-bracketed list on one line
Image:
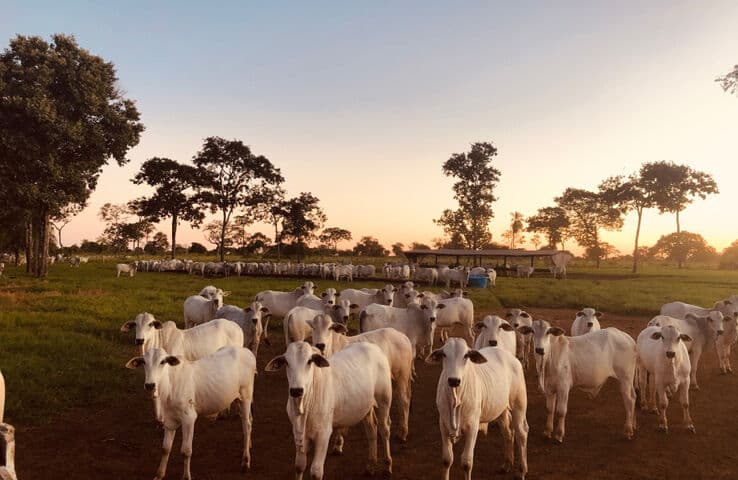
[(682, 247), (303, 217), (729, 81), (553, 222), (333, 235), (370, 247)]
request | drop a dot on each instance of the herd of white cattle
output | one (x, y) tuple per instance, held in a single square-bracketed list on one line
[(337, 381)]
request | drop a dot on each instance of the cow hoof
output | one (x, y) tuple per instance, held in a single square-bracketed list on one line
[(691, 429)]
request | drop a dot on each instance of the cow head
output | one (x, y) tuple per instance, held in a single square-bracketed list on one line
[(387, 294), (341, 311), (300, 361), (456, 357), (329, 296), (145, 324), (670, 338), (308, 288), (518, 318), (590, 316), (156, 363), (542, 332), (491, 330), (714, 321), (323, 330)]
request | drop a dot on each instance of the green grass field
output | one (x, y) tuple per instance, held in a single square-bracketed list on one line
[(61, 345)]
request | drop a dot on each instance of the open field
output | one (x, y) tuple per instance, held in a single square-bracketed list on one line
[(79, 414)]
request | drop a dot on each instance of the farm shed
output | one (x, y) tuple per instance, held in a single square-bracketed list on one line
[(501, 257)]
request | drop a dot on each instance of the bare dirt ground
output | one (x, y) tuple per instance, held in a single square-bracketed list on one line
[(121, 440)]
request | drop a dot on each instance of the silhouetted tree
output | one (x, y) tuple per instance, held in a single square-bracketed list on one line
[(682, 247), (729, 81), (303, 217), (397, 249), (553, 222), (331, 236), (63, 217), (370, 247)]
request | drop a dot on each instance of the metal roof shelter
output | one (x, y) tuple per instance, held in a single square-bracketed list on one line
[(477, 256)]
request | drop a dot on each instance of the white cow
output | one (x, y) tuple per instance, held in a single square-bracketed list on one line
[(459, 276), (490, 273), (328, 297), (7, 448), (343, 272), (210, 292), (198, 309), (725, 342), (584, 362), (251, 321), (520, 318), (495, 332), (400, 296), (354, 386), (426, 274), (586, 320), (417, 322), (704, 332), (364, 271), (330, 337), (363, 299), (456, 311), (663, 371), (475, 388), (128, 268), (279, 303), (188, 389), (524, 270)]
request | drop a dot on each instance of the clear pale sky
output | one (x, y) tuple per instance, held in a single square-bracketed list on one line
[(361, 102)]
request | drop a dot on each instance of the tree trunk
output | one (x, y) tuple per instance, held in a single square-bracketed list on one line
[(598, 252), (277, 240), (45, 234), (679, 241), (222, 238), (638, 233), (29, 245), (174, 235), (59, 234)]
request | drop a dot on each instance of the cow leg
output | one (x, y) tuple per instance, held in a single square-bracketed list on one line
[(663, 403), (246, 425), (166, 450), (370, 428), (683, 395), (319, 453), (562, 404), (467, 455), (550, 406), (403, 391), (470, 332), (520, 430), (338, 440), (508, 440), (628, 393), (447, 450), (383, 424), (301, 459), (694, 357), (188, 432)]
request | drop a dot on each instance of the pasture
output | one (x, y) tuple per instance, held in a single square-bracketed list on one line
[(79, 414)]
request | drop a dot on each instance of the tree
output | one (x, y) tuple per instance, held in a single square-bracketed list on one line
[(588, 213), (683, 246), (370, 247), (729, 81), (303, 218), (197, 248), (172, 182), (516, 226), (63, 217), (603, 251), (535, 240), (257, 243), (672, 187), (230, 177), (333, 235), (213, 233), (553, 222), (158, 244), (729, 257), (628, 194), (473, 191), (419, 246), (397, 249), (62, 118)]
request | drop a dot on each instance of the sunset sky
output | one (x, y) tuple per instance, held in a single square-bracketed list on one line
[(361, 102)]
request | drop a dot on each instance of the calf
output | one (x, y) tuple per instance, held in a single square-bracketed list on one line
[(495, 332), (130, 269), (585, 362), (188, 389), (663, 370), (474, 388), (704, 332), (354, 386), (586, 320), (460, 276), (519, 318), (330, 337)]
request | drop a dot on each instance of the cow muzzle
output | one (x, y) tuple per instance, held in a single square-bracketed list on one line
[(296, 392), (321, 347), (539, 351), (492, 343), (345, 318), (590, 324), (389, 302), (454, 382), (719, 332), (139, 341), (670, 354)]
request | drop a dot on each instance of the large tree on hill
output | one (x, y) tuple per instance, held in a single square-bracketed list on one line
[(62, 118), (230, 176), (333, 235), (588, 213), (173, 196), (672, 187), (553, 222), (473, 191), (302, 219), (729, 81)]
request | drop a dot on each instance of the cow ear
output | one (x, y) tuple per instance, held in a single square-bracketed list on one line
[(248, 309), (555, 331), (465, 293), (324, 295), (171, 360), (226, 293), (580, 313), (156, 324), (525, 330), (506, 327), (598, 314), (338, 294), (319, 360), (525, 315), (275, 364), (480, 325), (441, 306), (735, 315), (435, 356), (691, 316), (475, 356), (407, 295), (128, 326), (265, 310), (421, 295), (339, 328), (685, 338), (656, 335), (353, 306), (135, 362), (509, 315)]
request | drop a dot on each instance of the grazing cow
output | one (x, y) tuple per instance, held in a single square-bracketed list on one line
[(354, 386), (198, 309), (417, 322), (495, 332), (384, 296), (663, 371), (456, 311), (128, 268), (475, 388), (586, 320), (252, 321), (585, 362), (330, 337), (279, 303), (704, 332), (519, 318), (524, 270), (188, 389), (7, 452)]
